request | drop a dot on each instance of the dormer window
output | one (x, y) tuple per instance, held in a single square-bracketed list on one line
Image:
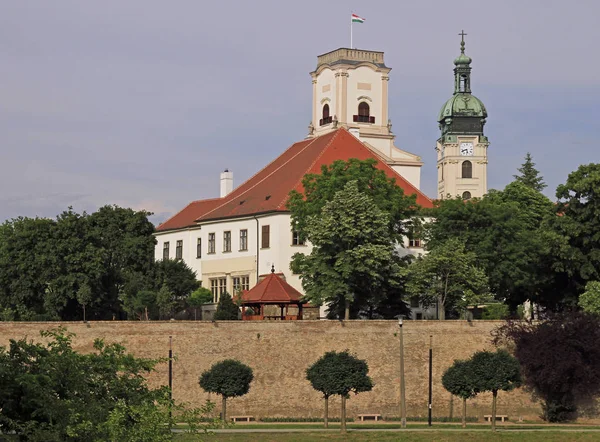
[(326, 117), (364, 114)]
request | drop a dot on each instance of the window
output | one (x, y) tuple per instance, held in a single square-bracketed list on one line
[(296, 241), (227, 241), (415, 242), (211, 243), (466, 195), (179, 250), (467, 169), (364, 114), (199, 248), (243, 240), (414, 302), (241, 283), (265, 237), (218, 286), (166, 250), (326, 118)]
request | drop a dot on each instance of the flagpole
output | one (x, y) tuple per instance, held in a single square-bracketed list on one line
[(351, 23)]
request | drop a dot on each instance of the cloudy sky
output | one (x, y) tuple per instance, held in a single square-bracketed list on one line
[(142, 103)]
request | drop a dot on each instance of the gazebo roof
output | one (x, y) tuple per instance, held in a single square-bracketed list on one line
[(272, 290)]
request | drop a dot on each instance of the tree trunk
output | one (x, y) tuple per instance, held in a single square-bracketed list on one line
[(83, 312), (494, 396), (347, 310), (224, 412), (326, 417), (464, 413), (343, 416), (441, 309)]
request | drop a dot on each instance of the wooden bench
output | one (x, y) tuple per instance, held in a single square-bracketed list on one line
[(502, 417), (241, 418), (375, 417)]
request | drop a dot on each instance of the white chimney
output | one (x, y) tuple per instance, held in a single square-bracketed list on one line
[(226, 182)]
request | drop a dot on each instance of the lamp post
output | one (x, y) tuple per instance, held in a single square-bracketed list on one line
[(402, 390)]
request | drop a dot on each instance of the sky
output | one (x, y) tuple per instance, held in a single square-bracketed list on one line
[(143, 103)]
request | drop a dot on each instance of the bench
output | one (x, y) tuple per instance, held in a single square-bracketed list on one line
[(363, 417), (502, 417), (241, 418)]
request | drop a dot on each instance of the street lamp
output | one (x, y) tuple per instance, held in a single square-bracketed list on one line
[(402, 390)]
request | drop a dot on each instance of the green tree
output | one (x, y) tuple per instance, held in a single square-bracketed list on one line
[(177, 275), (165, 302), (509, 232), (579, 223), (352, 259), (589, 301), (227, 310), (200, 296), (339, 374), (321, 188), (448, 275), (495, 311), (529, 175), (50, 392), (229, 378), (84, 297), (458, 380), (495, 371)]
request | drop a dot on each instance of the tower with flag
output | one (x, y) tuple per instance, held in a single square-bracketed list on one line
[(354, 19)]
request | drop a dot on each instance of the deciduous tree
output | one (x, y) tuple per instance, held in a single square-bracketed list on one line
[(458, 380), (229, 378), (448, 275), (339, 374), (559, 357), (494, 371), (589, 300), (352, 259)]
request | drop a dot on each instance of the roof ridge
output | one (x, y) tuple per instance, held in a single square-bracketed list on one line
[(257, 183), (335, 134)]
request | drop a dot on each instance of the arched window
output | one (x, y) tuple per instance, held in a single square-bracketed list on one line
[(467, 169), (466, 195), (364, 113), (326, 118)]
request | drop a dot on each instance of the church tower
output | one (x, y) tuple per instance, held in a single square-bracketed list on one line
[(462, 146), (350, 89)]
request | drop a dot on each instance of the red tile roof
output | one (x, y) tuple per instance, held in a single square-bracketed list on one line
[(272, 290), (188, 215), (268, 190)]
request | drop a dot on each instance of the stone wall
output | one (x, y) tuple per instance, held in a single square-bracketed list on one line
[(280, 352)]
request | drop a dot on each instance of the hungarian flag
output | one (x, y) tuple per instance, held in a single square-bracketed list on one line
[(357, 19)]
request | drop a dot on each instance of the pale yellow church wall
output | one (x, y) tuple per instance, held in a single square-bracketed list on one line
[(411, 173), (364, 82), (325, 92)]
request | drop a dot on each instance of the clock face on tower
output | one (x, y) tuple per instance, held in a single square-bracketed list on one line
[(466, 149)]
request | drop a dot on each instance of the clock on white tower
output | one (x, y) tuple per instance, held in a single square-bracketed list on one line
[(466, 149)]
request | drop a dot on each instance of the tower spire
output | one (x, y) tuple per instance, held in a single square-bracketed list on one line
[(462, 42)]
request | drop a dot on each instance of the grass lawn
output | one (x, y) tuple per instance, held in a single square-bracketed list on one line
[(424, 436)]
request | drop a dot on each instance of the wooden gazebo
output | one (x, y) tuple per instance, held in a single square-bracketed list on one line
[(271, 299)]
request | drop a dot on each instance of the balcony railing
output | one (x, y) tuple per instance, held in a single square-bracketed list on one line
[(324, 121), (363, 119)]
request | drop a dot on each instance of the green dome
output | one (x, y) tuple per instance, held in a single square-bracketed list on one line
[(462, 59), (462, 104)]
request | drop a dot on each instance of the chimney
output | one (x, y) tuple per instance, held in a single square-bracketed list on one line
[(226, 182)]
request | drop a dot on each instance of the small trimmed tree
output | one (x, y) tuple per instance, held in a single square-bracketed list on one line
[(229, 378), (494, 371), (339, 374), (589, 301), (200, 296), (227, 310), (458, 380)]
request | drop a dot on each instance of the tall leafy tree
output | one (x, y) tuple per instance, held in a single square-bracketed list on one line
[(458, 380), (352, 259), (495, 371), (529, 175), (509, 232), (448, 277), (228, 378), (370, 180), (579, 223), (559, 357), (339, 374)]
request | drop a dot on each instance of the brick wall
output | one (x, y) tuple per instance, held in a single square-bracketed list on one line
[(280, 352)]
